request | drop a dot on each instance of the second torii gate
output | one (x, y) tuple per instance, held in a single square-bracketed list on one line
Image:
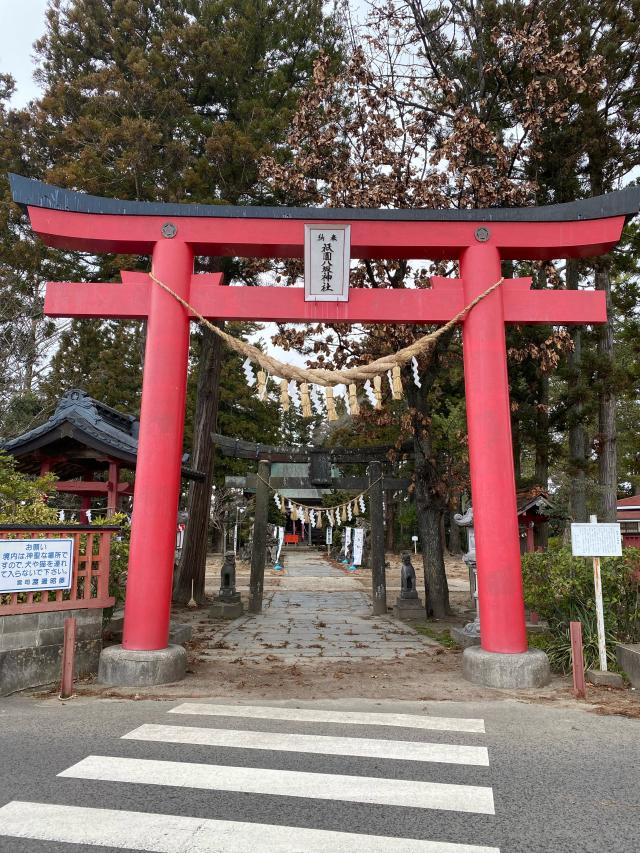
[(173, 234)]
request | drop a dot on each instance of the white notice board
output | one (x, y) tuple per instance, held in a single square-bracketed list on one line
[(596, 540), (30, 565)]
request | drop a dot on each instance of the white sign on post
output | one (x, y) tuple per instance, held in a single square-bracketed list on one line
[(35, 564), (327, 254), (329, 536), (596, 540), (358, 543)]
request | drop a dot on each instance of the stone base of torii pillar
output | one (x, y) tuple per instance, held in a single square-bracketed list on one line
[(133, 668)]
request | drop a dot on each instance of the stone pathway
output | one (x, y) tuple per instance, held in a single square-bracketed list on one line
[(316, 611)]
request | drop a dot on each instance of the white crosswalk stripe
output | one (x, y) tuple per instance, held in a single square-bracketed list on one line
[(285, 783), (169, 834), (313, 715), (316, 744), (166, 833)]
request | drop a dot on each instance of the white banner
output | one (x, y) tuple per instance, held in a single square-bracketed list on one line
[(280, 541), (346, 540), (358, 545)]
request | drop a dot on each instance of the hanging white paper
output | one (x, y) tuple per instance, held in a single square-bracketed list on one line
[(416, 376), (315, 400), (368, 390), (247, 366)]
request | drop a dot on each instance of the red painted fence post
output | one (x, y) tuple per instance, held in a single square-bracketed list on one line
[(68, 657)]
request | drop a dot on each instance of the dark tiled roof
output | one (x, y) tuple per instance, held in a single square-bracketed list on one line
[(97, 425), (533, 499), (101, 428)]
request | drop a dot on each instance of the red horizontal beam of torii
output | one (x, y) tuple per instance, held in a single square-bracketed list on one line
[(437, 304), (174, 234)]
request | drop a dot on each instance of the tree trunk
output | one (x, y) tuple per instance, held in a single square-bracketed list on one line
[(517, 448), (542, 434), (607, 434), (376, 519), (455, 544), (430, 489), (542, 453), (577, 434), (194, 553), (429, 507)]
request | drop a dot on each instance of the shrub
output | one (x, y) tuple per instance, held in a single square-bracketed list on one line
[(560, 588), (119, 555), (23, 498)]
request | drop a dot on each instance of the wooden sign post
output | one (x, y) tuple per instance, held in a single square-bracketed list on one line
[(596, 541)]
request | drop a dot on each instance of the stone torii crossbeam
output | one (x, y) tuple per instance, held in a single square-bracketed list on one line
[(173, 234)]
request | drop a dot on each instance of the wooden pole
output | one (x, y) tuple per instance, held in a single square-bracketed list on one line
[(68, 657), (577, 660), (259, 549), (597, 585), (376, 518)]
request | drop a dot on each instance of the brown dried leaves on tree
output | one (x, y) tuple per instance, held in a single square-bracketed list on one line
[(441, 105)]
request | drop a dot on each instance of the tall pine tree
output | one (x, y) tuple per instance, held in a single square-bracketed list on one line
[(174, 100)]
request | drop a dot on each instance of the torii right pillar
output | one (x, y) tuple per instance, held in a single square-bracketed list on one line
[(502, 659)]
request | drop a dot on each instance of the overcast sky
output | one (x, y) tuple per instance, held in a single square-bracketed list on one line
[(21, 23)]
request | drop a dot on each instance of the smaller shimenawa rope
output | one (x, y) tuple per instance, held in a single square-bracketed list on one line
[(343, 505), (323, 376)]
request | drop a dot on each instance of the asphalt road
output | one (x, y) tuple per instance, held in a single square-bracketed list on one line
[(559, 779)]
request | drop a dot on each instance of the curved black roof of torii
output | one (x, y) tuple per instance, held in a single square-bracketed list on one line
[(82, 419), (29, 192)]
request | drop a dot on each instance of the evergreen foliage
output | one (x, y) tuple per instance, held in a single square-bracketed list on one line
[(23, 498)]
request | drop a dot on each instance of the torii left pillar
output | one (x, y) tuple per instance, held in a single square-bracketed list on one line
[(145, 656)]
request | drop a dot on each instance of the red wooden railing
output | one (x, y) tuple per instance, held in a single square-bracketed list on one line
[(90, 576)]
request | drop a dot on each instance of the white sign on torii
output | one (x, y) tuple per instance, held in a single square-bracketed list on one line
[(327, 254)]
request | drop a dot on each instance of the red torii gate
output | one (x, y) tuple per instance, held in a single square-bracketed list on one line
[(174, 233)]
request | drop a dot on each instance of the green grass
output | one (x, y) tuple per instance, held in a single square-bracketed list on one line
[(443, 637)]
